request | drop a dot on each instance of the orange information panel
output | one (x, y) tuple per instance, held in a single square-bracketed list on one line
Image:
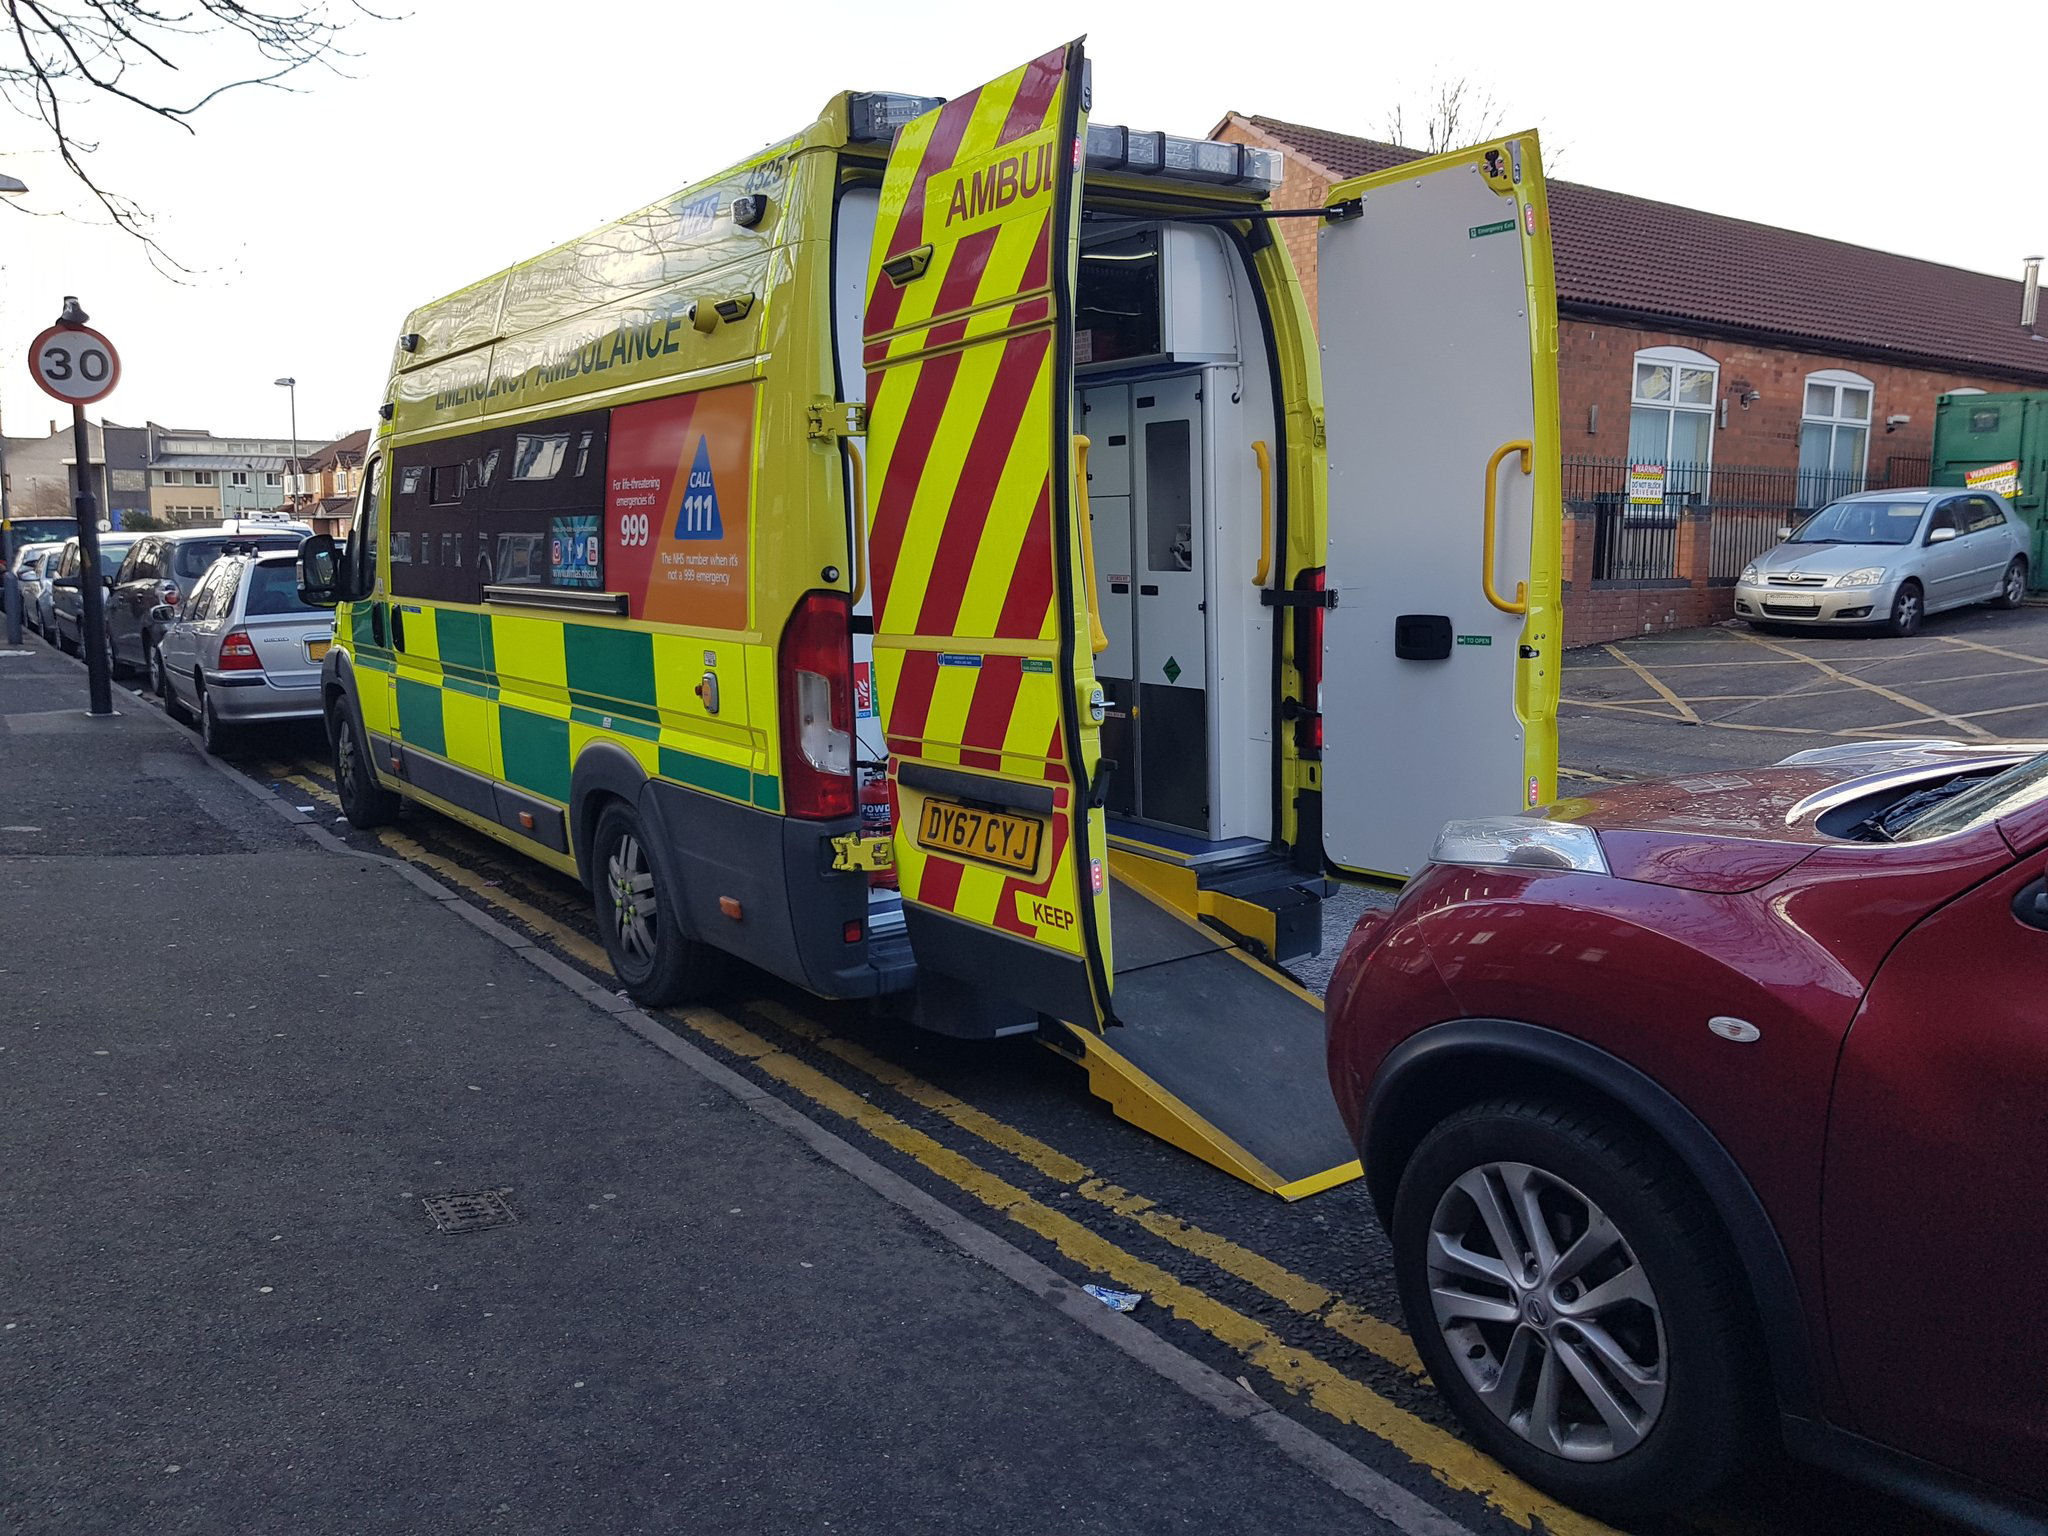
[(679, 488)]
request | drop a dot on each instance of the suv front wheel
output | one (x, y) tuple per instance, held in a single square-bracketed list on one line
[(1570, 1293)]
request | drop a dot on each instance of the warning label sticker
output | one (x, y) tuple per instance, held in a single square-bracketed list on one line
[(678, 491)]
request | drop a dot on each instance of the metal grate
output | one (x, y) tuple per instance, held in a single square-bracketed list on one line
[(469, 1213)]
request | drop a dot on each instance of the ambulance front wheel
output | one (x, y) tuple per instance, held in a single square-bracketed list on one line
[(364, 801), (639, 918)]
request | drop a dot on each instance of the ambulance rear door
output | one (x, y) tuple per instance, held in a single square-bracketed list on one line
[(982, 617), (1438, 324)]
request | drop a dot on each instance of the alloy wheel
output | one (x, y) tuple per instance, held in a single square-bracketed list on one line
[(1546, 1309), (1906, 611), (2015, 589), (634, 909)]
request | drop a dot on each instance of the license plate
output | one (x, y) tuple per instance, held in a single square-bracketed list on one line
[(992, 837), (315, 649)]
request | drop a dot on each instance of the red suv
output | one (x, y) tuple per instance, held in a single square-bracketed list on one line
[(1706, 1107)]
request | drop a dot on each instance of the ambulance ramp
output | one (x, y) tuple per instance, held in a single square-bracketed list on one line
[(1217, 1054)]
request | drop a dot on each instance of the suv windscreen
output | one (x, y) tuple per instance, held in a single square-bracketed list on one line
[(1862, 522), (1984, 800), (274, 588)]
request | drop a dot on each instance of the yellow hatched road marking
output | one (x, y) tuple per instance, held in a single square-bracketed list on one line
[(1447, 1458), (1879, 689), (1685, 710)]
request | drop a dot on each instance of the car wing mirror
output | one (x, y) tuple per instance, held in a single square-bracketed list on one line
[(70, 583), (1940, 535), (163, 613), (1784, 533), (320, 572)]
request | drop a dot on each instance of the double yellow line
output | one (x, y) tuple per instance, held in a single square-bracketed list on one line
[(1447, 1458)]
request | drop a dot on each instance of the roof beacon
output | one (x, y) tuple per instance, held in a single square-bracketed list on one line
[(1112, 148), (876, 115)]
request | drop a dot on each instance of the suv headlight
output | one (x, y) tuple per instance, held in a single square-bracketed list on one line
[(1748, 576), (1868, 576), (1521, 842)]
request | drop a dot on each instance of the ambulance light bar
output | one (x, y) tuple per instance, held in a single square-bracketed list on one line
[(1113, 148), (876, 115)]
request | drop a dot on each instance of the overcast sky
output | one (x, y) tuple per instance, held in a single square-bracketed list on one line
[(474, 133)]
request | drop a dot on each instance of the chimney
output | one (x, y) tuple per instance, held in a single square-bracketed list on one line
[(2030, 292)]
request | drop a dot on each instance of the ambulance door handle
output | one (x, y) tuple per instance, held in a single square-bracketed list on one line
[(1520, 602), (1264, 455), (397, 627), (1098, 637), (908, 267)]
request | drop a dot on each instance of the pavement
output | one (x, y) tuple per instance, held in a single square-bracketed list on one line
[(237, 1055)]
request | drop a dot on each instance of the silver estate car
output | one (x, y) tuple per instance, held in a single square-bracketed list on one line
[(242, 648), (28, 574), (1889, 558)]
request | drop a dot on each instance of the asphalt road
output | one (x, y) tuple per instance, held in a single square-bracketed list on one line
[(1295, 1300), (1733, 696)]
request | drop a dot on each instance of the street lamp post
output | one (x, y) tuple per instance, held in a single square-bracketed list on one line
[(10, 589), (291, 386)]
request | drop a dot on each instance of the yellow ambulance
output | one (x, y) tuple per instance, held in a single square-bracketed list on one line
[(939, 560)]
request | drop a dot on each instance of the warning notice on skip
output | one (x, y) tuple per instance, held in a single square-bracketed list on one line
[(676, 506)]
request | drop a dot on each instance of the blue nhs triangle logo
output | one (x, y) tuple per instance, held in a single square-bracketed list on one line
[(698, 516)]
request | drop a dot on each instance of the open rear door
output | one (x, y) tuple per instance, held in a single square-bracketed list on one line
[(981, 603), (1439, 338)]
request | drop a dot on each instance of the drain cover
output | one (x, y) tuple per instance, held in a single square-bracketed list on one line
[(469, 1213)]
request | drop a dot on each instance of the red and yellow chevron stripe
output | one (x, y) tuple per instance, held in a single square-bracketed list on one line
[(963, 366)]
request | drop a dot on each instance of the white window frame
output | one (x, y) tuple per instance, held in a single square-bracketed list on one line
[(171, 476), (273, 478), (202, 477), (238, 477), (1817, 487), (1675, 358)]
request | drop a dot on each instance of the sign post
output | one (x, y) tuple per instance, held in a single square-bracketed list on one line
[(76, 364)]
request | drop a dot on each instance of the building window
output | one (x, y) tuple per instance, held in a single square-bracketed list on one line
[(202, 477), (173, 477), (272, 479), (238, 477), (1671, 414), (1834, 436)]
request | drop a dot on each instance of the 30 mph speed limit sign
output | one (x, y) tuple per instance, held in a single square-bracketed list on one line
[(75, 363)]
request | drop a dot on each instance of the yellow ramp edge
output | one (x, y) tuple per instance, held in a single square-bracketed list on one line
[(1138, 1096)]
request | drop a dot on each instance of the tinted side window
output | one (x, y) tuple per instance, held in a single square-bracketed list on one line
[(1984, 513), (207, 601)]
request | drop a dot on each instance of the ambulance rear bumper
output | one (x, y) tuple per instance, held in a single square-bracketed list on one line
[(795, 910)]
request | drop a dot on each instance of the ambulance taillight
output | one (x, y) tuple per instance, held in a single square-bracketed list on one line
[(816, 665)]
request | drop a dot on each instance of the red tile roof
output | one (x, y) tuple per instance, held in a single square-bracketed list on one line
[(1629, 256)]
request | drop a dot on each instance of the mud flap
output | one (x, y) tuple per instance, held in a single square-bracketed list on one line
[(1217, 1054)]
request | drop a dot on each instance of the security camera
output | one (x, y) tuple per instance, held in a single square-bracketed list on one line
[(1893, 423)]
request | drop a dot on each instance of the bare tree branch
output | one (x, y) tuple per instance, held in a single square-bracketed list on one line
[(1455, 115), (62, 59)]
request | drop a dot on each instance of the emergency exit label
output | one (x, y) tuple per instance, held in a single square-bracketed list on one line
[(1475, 639), (1480, 231)]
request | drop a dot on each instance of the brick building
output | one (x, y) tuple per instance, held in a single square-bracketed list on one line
[(1768, 370)]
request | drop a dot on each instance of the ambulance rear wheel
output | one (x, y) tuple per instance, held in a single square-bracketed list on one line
[(639, 917)]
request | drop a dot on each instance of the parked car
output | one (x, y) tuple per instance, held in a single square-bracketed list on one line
[(1890, 558), (45, 613), (1704, 1110), (28, 576), (66, 606), (160, 572), (242, 648)]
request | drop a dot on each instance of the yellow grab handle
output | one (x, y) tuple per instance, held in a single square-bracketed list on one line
[(1521, 600), (857, 529), (1098, 637), (1265, 457)]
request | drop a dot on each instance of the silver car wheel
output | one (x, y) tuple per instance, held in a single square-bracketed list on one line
[(2014, 591), (632, 892), (1548, 1312)]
